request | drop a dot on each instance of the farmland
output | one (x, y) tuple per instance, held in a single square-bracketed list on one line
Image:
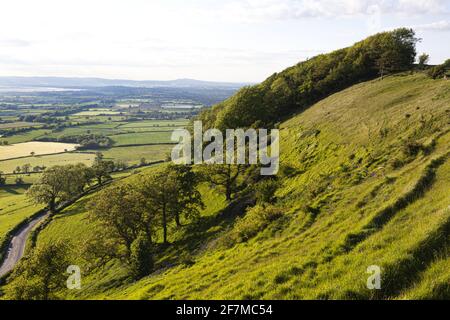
[(42, 130), (33, 147), (133, 155), (8, 166), (141, 138), (39, 130), (120, 130)]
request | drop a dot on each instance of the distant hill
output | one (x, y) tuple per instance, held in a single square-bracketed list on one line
[(69, 82)]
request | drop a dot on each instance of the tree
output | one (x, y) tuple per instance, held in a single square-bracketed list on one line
[(120, 165), (141, 261), (78, 176), (423, 60), (19, 181), (439, 71), (299, 86), (2, 179), (120, 214), (160, 192), (102, 169), (225, 176), (26, 168), (189, 198), (395, 51), (40, 275), (58, 183)]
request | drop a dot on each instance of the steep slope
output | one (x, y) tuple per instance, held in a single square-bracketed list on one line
[(365, 175)]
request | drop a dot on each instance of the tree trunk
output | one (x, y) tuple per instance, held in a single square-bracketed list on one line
[(228, 184), (164, 222), (228, 193), (177, 219), (52, 206)]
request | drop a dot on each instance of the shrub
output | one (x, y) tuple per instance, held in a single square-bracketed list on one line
[(141, 261), (265, 191), (439, 71), (411, 148)]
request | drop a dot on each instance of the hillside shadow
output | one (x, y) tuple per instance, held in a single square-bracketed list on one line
[(197, 236), (11, 190)]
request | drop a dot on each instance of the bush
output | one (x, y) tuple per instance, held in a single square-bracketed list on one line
[(439, 71), (411, 148), (265, 191), (141, 261)]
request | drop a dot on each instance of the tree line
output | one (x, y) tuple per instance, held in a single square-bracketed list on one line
[(61, 183), (298, 87)]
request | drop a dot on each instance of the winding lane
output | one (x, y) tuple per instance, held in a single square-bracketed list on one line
[(17, 245)]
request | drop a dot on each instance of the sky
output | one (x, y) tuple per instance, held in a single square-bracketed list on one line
[(226, 40)]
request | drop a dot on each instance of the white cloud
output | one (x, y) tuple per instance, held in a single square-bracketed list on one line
[(207, 39), (8, 42), (260, 10), (443, 25)]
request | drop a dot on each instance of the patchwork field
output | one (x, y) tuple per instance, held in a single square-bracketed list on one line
[(132, 142)]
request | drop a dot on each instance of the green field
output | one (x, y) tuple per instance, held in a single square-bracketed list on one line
[(155, 123), (133, 155), (14, 208), (24, 137), (141, 138), (81, 130), (19, 124)]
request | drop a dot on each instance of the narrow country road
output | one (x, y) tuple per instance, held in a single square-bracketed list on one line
[(17, 245)]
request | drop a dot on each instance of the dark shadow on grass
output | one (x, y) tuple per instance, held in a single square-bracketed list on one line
[(198, 235)]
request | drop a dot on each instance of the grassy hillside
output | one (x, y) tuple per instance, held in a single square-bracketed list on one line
[(14, 208), (365, 175)]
